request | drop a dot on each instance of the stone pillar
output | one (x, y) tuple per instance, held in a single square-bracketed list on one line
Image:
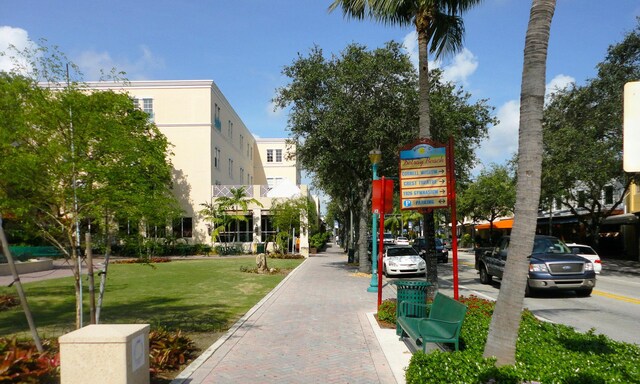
[(105, 354)]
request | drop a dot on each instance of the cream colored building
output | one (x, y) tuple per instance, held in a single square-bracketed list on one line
[(213, 151)]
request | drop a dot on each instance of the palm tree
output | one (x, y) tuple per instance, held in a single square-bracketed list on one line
[(440, 31), (437, 22), (503, 331), (227, 209)]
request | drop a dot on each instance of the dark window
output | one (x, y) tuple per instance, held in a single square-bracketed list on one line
[(183, 227), (608, 194)]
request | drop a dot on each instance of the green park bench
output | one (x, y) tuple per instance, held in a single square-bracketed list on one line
[(441, 325)]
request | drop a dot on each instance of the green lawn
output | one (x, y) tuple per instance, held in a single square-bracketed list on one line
[(201, 297)]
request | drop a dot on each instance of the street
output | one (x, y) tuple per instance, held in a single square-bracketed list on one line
[(613, 308)]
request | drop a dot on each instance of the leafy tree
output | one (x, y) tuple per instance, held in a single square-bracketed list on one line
[(70, 155), (343, 107), (492, 195), (583, 138), (505, 322), (440, 31), (288, 214)]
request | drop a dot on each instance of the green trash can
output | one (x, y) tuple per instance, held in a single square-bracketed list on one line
[(412, 291), (260, 248)]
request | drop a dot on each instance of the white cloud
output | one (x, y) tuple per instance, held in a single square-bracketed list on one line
[(17, 37), (503, 137), (463, 65), (93, 64), (558, 83)]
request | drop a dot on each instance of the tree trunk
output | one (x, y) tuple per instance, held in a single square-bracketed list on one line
[(363, 246), (261, 263), (424, 108), (505, 323)]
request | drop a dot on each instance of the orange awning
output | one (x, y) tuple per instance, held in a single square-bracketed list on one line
[(502, 224)]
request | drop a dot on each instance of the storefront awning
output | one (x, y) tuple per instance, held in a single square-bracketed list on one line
[(501, 224), (627, 218)]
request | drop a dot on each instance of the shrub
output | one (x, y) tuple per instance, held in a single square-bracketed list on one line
[(169, 350), (387, 311), (22, 363), (228, 249), (8, 301), (547, 353)]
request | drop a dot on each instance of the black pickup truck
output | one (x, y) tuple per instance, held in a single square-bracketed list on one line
[(552, 266)]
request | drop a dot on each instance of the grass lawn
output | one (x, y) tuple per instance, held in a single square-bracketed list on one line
[(201, 297)]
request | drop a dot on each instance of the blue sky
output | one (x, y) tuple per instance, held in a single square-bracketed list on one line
[(243, 46)]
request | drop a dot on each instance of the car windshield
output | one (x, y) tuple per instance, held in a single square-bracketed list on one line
[(583, 250), (401, 251), (549, 245), (438, 242), (388, 236)]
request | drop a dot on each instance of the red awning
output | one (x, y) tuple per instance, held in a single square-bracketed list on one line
[(502, 224)]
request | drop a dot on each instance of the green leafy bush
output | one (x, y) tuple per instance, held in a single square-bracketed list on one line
[(231, 249), (319, 240), (387, 311), (22, 363), (546, 353)]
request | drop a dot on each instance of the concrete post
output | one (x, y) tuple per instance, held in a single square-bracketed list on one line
[(105, 354)]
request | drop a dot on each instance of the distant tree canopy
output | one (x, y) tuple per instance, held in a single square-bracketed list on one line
[(583, 138)]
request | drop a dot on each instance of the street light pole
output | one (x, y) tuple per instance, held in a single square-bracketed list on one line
[(375, 156)]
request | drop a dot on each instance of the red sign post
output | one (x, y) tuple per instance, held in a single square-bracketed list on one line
[(382, 202)]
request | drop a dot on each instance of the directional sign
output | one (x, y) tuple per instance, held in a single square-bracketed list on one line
[(423, 176)]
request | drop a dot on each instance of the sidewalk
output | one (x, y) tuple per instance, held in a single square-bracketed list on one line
[(315, 327)]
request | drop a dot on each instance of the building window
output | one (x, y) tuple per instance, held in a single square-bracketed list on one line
[(273, 181), (241, 141), (183, 227), (278, 155), (147, 107), (216, 117), (216, 157), (269, 155), (241, 176), (230, 130), (247, 149), (135, 102), (231, 168), (608, 194), (581, 198)]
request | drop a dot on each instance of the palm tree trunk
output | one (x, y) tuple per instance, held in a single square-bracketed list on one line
[(505, 323), (424, 111)]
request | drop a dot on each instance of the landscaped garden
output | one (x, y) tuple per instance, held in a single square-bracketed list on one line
[(546, 353), (200, 298)]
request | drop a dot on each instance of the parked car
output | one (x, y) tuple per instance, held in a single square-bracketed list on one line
[(401, 240), (551, 266), (402, 260), (442, 253), (388, 239), (588, 253)]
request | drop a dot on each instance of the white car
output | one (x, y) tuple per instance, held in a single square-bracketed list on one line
[(588, 253), (401, 240), (402, 260)]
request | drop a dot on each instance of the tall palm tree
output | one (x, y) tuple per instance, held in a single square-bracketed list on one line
[(503, 331), (439, 27), (440, 31)]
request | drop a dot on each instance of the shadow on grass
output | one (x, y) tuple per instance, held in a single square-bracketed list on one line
[(55, 319)]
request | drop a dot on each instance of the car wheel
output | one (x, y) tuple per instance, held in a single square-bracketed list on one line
[(485, 277), (586, 292), (528, 291)]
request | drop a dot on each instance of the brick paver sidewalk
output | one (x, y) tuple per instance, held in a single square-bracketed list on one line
[(311, 329)]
